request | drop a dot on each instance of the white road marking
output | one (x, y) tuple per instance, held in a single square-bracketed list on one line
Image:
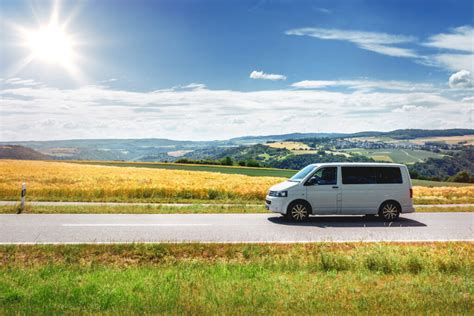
[(131, 225)]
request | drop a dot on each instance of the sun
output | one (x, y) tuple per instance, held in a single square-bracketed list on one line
[(51, 44)]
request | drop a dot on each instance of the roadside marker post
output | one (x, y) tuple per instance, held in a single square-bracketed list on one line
[(23, 198)]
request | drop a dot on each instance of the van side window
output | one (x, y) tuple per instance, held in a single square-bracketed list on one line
[(389, 175), (325, 176), (358, 175)]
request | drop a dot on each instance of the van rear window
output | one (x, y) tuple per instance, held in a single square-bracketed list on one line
[(389, 175), (371, 175)]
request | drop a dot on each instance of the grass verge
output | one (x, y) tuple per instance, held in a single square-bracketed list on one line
[(165, 209), (248, 171), (138, 209), (238, 278)]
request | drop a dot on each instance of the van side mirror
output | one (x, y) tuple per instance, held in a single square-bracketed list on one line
[(312, 181)]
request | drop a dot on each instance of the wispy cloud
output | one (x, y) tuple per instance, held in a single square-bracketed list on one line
[(109, 80), (264, 76), (323, 10), (364, 85), (22, 82), (460, 38), (452, 62), (381, 43), (459, 47)]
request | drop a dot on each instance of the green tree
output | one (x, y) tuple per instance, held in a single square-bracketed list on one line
[(227, 161), (252, 163), (461, 176)]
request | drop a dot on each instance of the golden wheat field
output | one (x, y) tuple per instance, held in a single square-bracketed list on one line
[(60, 181)]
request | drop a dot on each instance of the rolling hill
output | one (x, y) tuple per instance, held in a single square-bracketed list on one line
[(21, 153)]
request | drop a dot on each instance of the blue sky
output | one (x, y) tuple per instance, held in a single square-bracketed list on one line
[(218, 69)]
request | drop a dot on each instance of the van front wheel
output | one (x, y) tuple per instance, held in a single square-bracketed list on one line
[(389, 211), (298, 211)]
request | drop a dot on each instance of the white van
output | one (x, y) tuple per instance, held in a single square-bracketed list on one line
[(345, 189)]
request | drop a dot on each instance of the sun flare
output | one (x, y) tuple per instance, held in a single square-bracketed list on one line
[(51, 44)]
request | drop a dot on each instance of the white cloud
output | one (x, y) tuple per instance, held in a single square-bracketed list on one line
[(460, 38), (453, 62), (389, 50), (468, 99), (409, 108), (109, 80), (459, 44), (313, 84), (364, 85), (323, 10), (261, 75), (22, 82), (192, 86), (381, 43), (461, 79), (209, 114)]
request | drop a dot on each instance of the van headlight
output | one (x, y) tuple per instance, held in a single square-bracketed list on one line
[(282, 194), (278, 193)]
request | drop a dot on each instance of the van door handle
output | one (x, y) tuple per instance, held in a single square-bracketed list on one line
[(335, 187)]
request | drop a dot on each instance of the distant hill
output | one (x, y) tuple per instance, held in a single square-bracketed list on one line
[(396, 134), (281, 137), (21, 153), (158, 149), (415, 133), (152, 149)]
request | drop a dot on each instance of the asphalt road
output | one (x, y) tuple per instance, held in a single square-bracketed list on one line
[(127, 228)]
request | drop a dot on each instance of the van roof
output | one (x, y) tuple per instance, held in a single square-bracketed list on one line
[(364, 164)]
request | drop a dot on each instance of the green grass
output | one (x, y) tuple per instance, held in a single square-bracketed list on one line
[(249, 171), (318, 278), (164, 209), (429, 183), (136, 209), (406, 156)]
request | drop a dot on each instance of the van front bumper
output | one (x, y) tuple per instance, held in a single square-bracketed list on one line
[(275, 204)]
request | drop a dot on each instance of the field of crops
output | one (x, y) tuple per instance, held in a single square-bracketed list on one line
[(289, 145), (59, 181), (406, 156)]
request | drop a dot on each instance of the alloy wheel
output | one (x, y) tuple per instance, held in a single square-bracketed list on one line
[(299, 212), (390, 211)]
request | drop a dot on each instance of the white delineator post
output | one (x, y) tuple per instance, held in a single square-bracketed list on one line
[(23, 197)]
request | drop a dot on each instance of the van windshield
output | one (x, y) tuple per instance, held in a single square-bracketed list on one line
[(302, 173)]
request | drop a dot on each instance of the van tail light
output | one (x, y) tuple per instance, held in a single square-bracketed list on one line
[(411, 193)]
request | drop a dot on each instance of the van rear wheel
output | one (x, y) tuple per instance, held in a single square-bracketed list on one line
[(298, 211), (389, 211)]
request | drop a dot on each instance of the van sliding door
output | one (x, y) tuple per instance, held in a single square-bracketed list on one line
[(359, 190)]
